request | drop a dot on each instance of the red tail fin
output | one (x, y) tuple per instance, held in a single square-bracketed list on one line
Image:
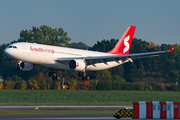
[(124, 44)]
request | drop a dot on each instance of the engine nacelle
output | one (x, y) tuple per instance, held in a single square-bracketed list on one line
[(24, 66), (78, 65)]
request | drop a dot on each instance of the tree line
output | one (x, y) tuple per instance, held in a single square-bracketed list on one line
[(157, 70), (74, 84)]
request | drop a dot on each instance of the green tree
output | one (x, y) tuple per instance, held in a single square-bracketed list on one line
[(72, 84), (139, 46), (45, 35), (22, 85), (103, 75), (104, 85), (1, 57), (131, 72), (119, 70), (78, 45), (93, 84), (118, 78), (174, 74), (9, 84), (104, 45), (16, 78), (142, 87), (33, 84), (57, 85)]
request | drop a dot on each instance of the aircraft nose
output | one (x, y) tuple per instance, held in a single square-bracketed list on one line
[(7, 51)]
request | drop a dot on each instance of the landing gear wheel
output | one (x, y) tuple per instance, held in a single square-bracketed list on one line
[(53, 78), (57, 78), (83, 75), (83, 78), (50, 74), (54, 74), (80, 74), (87, 78), (20, 65)]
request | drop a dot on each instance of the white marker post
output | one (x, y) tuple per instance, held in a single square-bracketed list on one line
[(63, 84)]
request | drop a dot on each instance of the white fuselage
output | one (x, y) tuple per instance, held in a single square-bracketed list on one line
[(46, 55)]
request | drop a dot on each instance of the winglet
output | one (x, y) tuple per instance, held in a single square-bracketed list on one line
[(171, 49)]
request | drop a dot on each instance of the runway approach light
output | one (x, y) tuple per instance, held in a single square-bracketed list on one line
[(36, 108)]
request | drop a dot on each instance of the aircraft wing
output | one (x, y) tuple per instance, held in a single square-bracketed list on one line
[(91, 60)]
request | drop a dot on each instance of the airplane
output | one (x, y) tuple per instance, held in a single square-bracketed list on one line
[(55, 57)]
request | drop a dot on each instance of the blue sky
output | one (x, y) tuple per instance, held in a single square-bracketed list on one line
[(89, 21)]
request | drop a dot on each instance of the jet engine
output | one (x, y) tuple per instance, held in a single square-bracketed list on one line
[(78, 65), (24, 66)]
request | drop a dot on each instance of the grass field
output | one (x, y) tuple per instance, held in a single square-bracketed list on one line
[(15, 112), (82, 97)]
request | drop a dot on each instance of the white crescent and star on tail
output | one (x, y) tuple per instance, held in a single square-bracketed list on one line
[(126, 44)]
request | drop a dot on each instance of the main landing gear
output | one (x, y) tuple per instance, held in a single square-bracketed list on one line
[(53, 75), (83, 75)]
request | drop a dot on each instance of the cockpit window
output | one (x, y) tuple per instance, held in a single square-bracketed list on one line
[(12, 47)]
